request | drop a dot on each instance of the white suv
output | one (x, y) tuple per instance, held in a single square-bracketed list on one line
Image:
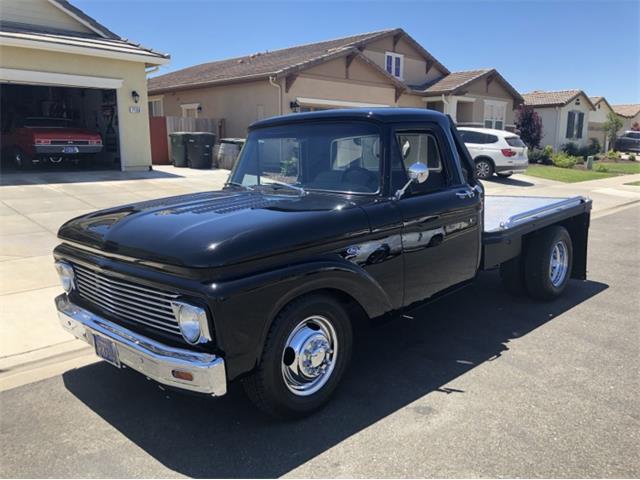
[(495, 151)]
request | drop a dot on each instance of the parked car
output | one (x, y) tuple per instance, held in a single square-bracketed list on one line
[(327, 217), (495, 151), (43, 139), (629, 142)]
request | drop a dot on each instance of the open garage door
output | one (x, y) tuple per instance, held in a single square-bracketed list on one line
[(58, 127)]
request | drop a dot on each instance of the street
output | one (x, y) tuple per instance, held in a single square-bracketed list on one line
[(478, 384)]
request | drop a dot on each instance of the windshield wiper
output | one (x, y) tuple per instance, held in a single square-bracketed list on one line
[(236, 184), (275, 183)]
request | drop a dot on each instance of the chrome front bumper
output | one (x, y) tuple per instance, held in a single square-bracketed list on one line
[(152, 359)]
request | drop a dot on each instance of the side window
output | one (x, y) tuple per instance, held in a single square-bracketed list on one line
[(423, 147), (490, 138)]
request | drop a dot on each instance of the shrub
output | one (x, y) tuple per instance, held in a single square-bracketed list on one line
[(529, 126), (563, 160), (632, 157), (591, 149), (570, 148), (599, 167), (541, 156), (613, 155)]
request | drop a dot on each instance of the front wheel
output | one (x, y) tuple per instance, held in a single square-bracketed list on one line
[(504, 175), (484, 168), (304, 358)]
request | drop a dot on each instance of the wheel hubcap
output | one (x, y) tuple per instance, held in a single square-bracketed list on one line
[(482, 169), (309, 355), (559, 264)]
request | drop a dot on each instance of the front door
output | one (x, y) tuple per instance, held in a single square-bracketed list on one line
[(441, 217)]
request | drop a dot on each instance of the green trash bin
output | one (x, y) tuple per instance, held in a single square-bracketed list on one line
[(179, 149), (200, 149)]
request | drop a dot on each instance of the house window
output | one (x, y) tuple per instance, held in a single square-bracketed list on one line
[(394, 64), (190, 109), (575, 122), (155, 108), (494, 114)]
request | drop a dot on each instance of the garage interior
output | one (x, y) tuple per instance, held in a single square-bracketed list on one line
[(89, 108)]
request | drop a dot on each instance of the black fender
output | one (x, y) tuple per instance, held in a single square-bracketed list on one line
[(245, 308)]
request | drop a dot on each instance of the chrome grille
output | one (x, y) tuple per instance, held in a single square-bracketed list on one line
[(127, 300)]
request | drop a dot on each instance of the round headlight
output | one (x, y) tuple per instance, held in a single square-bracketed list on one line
[(65, 272), (192, 321)]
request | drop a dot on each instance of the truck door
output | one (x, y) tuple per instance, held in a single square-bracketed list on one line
[(441, 217)]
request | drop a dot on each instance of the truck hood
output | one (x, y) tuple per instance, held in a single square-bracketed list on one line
[(214, 229)]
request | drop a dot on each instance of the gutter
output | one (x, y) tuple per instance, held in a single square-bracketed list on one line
[(279, 87)]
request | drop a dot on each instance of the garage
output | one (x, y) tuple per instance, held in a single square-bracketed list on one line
[(73, 94), (47, 127)]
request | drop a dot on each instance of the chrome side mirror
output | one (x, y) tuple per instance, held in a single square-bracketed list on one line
[(418, 173)]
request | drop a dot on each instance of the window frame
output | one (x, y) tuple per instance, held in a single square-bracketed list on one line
[(189, 106), (493, 119), (152, 110), (394, 56), (452, 175)]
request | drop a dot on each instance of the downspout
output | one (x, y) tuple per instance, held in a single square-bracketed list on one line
[(556, 147), (445, 105), (279, 87)]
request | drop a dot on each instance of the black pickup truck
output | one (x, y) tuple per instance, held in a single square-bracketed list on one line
[(327, 217)]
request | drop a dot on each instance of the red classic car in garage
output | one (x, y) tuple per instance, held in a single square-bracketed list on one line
[(42, 139)]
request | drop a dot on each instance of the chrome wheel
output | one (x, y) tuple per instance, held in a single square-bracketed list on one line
[(18, 159), (559, 264), (483, 169), (309, 355)]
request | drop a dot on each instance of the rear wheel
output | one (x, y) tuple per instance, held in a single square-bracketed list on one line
[(547, 262), (484, 168), (304, 358)]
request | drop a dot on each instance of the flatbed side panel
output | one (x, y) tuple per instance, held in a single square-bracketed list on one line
[(507, 243)]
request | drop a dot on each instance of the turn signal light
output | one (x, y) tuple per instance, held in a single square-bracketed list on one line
[(182, 375), (95, 142), (43, 142)]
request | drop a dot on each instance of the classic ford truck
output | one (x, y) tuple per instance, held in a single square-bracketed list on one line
[(327, 217)]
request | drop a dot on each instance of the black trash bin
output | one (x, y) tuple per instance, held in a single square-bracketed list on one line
[(200, 148), (179, 149)]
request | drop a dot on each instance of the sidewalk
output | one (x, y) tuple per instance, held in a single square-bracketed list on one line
[(33, 345)]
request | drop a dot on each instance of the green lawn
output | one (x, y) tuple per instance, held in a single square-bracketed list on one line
[(572, 175), (622, 168), (636, 184), (567, 175)]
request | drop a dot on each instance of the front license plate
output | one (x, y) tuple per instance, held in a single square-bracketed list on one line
[(106, 350), (70, 150)]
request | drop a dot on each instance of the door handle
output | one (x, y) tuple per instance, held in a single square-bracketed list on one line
[(466, 194)]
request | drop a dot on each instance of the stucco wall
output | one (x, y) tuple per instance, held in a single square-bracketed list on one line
[(238, 104), (562, 132), (627, 122), (135, 150), (39, 12), (494, 91), (414, 63), (549, 117)]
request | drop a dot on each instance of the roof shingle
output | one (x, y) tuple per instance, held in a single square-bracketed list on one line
[(265, 64), (539, 98), (628, 110)]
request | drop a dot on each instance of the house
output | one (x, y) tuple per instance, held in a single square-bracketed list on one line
[(56, 61), (597, 118), (565, 116), (629, 114), (378, 69)]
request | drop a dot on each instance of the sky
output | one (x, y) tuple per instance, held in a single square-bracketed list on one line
[(536, 45)]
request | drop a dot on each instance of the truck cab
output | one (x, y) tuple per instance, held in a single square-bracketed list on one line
[(326, 217)]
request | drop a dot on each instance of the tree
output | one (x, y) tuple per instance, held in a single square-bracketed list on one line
[(529, 124), (611, 127)]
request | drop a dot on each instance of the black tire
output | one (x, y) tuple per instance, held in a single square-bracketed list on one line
[(266, 386), (512, 276), (537, 263), (504, 175), (484, 168), (21, 160)]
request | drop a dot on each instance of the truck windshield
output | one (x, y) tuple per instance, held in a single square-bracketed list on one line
[(337, 157)]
